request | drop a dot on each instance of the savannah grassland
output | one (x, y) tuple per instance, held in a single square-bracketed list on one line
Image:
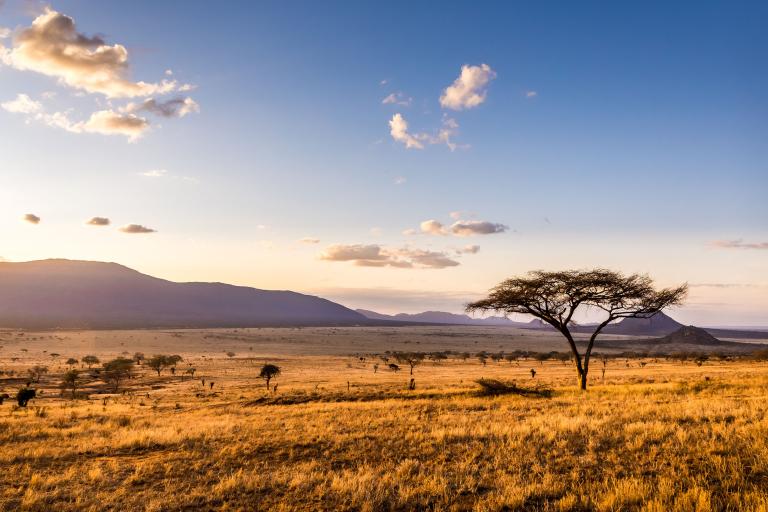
[(656, 435)]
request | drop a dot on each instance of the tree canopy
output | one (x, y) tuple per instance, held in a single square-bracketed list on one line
[(554, 297)]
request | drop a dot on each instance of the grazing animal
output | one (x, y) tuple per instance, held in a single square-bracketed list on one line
[(25, 395), (3, 397), (533, 373)]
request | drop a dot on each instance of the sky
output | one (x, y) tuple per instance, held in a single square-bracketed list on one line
[(398, 157)]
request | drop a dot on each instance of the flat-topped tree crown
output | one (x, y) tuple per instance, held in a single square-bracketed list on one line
[(554, 297)]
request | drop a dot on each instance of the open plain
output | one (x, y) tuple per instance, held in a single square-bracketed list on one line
[(343, 432)]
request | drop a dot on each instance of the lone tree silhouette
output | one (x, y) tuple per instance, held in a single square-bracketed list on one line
[(268, 372), (554, 297)]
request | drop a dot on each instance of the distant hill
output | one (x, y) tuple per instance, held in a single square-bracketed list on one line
[(658, 325), (685, 339), (96, 295), (440, 317), (689, 335)]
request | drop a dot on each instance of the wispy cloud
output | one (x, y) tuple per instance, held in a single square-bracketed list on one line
[(470, 89), (309, 240), (397, 98), (155, 173), (163, 173), (739, 244), (176, 107), (31, 218), (23, 104), (136, 229), (531, 94), (105, 122), (398, 128)]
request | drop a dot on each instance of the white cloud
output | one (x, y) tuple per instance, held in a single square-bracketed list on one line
[(309, 240), (397, 98), (469, 89), (155, 173), (109, 122), (23, 104), (531, 94), (398, 128), (105, 122), (432, 227), (52, 46), (377, 256)]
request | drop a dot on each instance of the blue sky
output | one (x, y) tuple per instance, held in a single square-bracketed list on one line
[(629, 136)]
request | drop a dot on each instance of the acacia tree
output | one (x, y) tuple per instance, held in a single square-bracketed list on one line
[(71, 380), (158, 363), (412, 359), (268, 372), (554, 297), (90, 360), (118, 370)]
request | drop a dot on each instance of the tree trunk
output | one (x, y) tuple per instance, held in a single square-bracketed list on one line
[(583, 381)]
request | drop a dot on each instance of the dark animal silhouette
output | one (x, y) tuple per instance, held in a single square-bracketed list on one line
[(25, 395)]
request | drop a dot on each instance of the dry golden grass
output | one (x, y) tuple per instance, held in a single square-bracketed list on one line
[(337, 436)]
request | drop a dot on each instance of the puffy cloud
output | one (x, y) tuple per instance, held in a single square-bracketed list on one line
[(458, 228), (31, 218), (476, 227), (340, 252), (469, 89), (398, 128), (23, 104), (740, 244), (136, 228), (53, 46), (377, 256), (177, 107), (109, 122), (98, 221), (309, 240), (432, 227), (5, 32), (397, 98)]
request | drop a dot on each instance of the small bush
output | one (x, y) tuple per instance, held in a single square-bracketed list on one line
[(494, 387)]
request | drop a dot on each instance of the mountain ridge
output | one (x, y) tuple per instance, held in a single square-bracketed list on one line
[(60, 293)]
